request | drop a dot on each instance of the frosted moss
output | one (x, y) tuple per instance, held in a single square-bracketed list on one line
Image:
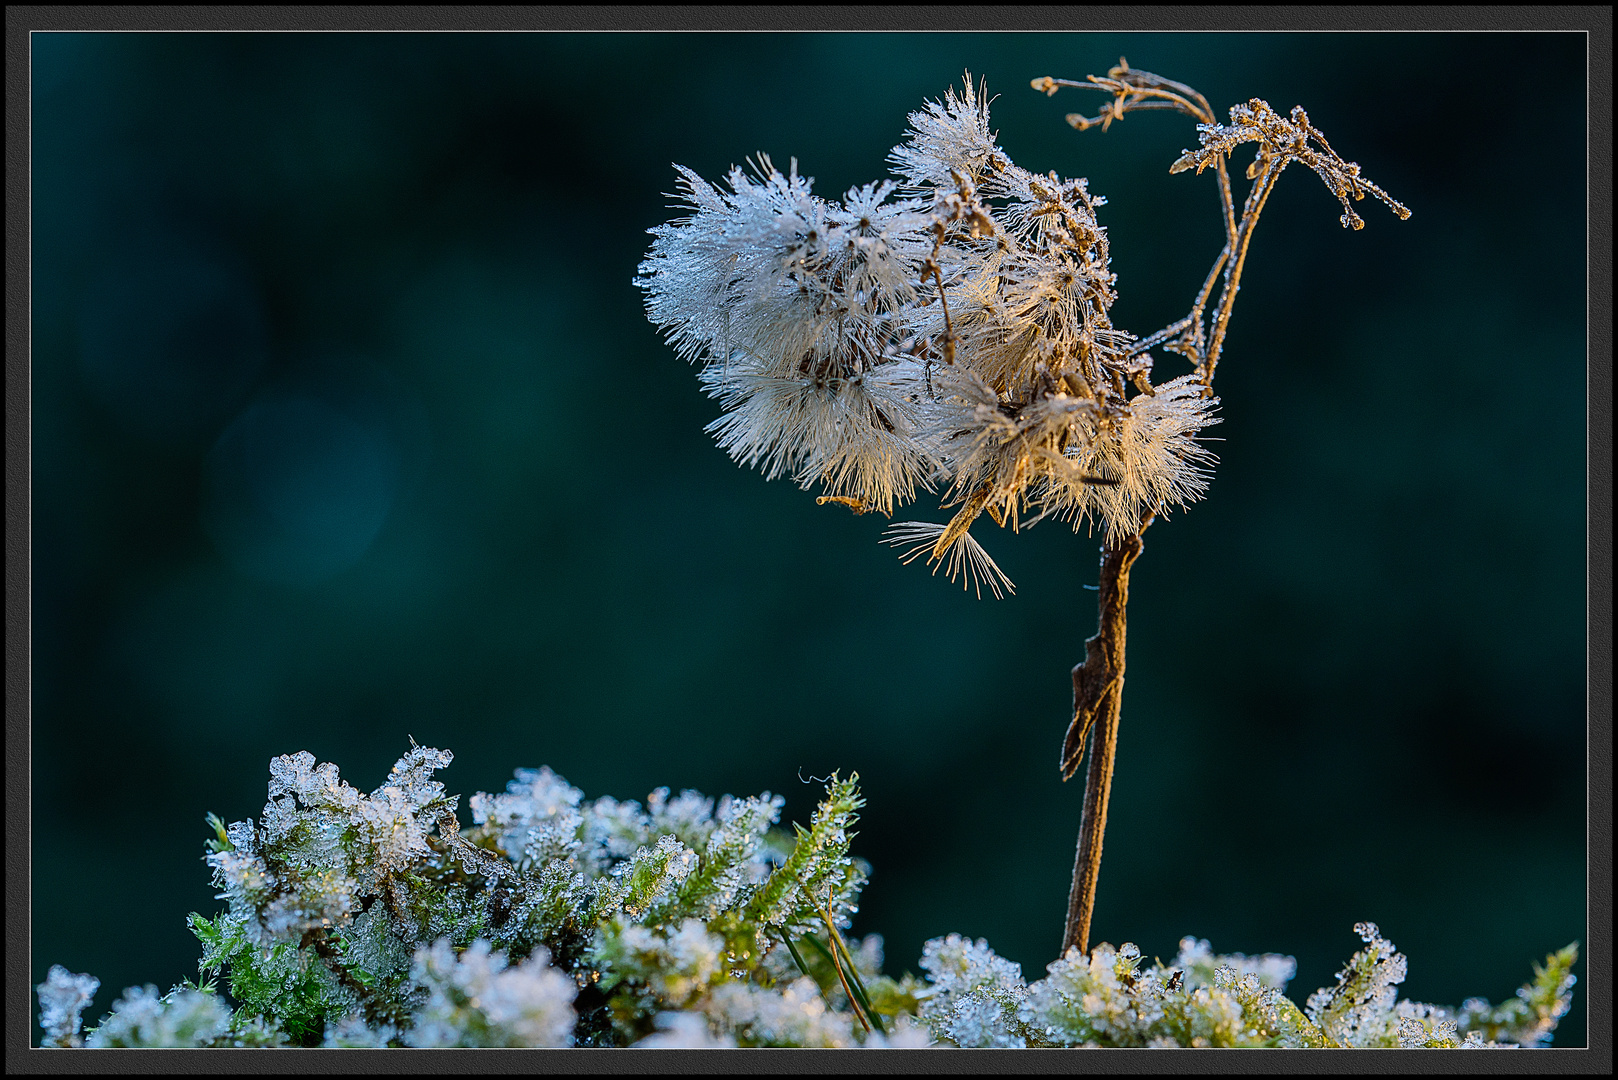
[(371, 920)]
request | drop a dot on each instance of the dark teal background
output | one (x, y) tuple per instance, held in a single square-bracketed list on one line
[(348, 427)]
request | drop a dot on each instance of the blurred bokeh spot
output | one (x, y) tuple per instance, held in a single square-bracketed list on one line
[(296, 490), (171, 337)]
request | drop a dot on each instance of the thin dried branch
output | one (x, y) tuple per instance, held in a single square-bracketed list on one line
[(1281, 140)]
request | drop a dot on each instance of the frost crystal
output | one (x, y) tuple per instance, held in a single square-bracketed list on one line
[(324, 848), (684, 1031), (535, 799), (1196, 958), (1426, 1027), (1529, 1018), (676, 964), (353, 1033), (906, 1034), (794, 1015)]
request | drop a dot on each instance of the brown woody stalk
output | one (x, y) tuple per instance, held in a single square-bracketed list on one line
[(1098, 688)]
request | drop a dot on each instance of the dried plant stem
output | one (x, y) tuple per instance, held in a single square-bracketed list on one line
[(1234, 258), (1098, 686)]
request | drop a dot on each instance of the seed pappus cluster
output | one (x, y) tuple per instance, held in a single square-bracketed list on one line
[(949, 329)]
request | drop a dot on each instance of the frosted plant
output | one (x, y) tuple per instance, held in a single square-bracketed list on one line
[(1358, 1011), (973, 997), (538, 805), (183, 1017), (953, 325), (63, 997), (792, 1015), (556, 920), (359, 920), (324, 848), (1426, 1027), (475, 999), (353, 1033), (1530, 1017), (904, 1034), (684, 1031), (1197, 960), (676, 964), (949, 330), (1111, 998)]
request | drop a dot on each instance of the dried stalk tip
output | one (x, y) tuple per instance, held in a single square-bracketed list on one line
[(1282, 140), (843, 500)]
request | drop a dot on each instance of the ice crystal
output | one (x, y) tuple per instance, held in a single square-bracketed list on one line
[(536, 799), (1283, 139), (1105, 999), (1426, 1027), (1110, 998), (675, 964), (324, 849), (906, 1034), (354, 1033), (684, 1031), (1197, 960), (793, 1015), (359, 920), (818, 881), (732, 854)]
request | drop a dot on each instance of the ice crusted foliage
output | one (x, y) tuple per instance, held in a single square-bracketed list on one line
[(365, 920), (1111, 998), (182, 1017), (973, 997), (475, 999), (1530, 1017), (375, 920), (63, 997), (1359, 1009)]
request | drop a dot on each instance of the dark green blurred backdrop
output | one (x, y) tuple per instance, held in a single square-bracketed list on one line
[(348, 427)]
